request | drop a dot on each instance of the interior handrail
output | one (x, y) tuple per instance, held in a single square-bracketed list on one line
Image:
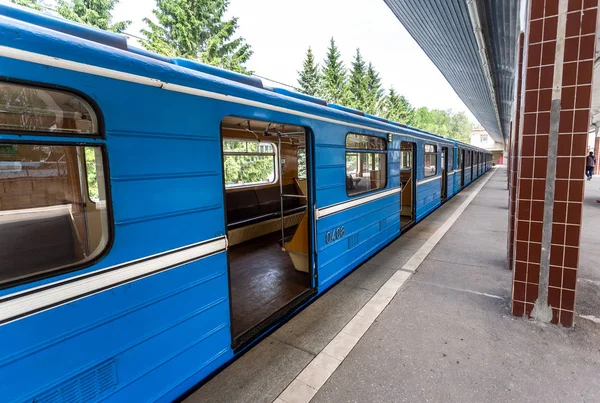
[(296, 196)]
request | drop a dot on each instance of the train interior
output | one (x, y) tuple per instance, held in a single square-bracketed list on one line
[(52, 210), (266, 194), (407, 178)]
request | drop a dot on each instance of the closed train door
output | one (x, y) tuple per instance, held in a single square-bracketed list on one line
[(462, 168), (269, 223), (444, 190)]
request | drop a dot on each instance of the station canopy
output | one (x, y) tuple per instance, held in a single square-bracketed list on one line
[(473, 43)]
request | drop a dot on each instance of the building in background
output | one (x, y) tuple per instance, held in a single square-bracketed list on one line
[(481, 138)]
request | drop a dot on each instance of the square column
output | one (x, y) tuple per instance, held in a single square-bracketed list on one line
[(559, 59), (513, 162)]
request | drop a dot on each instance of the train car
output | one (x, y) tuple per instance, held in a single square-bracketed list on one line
[(159, 216)]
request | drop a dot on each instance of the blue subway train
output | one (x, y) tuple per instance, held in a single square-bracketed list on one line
[(159, 216)]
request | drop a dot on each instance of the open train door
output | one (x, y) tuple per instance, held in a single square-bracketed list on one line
[(407, 180), (269, 221)]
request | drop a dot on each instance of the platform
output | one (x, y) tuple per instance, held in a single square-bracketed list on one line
[(446, 334)]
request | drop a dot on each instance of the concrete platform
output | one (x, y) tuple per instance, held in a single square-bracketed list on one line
[(447, 335)]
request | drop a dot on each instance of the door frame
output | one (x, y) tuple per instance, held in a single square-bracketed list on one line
[(256, 332), (462, 167), (444, 181), (413, 185)]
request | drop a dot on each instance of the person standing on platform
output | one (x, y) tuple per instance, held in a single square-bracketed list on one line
[(590, 163)]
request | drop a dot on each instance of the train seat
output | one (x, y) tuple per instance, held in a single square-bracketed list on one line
[(252, 206)]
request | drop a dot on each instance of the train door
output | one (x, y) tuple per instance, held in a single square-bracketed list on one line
[(269, 223), (444, 190), (407, 179), (472, 158), (462, 167)]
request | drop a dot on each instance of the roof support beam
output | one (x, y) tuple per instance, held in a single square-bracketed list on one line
[(485, 60)]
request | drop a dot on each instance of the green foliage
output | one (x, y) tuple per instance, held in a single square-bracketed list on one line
[(363, 90), (444, 123), (92, 177), (397, 108), (301, 163), (374, 97), (197, 30), (309, 81), (241, 169), (357, 84), (35, 4), (92, 12), (460, 127), (334, 75)]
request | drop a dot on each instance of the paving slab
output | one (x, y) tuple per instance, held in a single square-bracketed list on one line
[(493, 280), (316, 325), (369, 277), (449, 336), (588, 284), (393, 257), (434, 344), (260, 375)]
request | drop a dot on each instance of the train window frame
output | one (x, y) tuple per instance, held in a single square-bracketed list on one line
[(433, 151), (276, 165), (107, 232), (92, 107), (381, 150), (298, 163), (406, 160)]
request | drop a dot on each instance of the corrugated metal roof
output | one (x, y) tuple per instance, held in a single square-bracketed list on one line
[(444, 30)]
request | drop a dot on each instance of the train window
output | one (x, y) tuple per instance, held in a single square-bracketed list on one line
[(47, 221), (366, 164), (362, 142), (430, 160), (25, 108), (405, 159), (468, 159), (301, 155), (249, 163)]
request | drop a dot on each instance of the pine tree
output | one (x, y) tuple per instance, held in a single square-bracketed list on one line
[(374, 98), (92, 12), (309, 80), (397, 108), (197, 30), (358, 83), (334, 75)]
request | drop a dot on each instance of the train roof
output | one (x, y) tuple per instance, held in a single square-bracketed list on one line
[(56, 37)]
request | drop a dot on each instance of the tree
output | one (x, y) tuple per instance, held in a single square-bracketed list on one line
[(460, 127), (397, 108), (92, 12), (197, 30), (334, 75), (357, 84), (309, 80), (35, 4), (241, 168), (374, 97), (444, 123)]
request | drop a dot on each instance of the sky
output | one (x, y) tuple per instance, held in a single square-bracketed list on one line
[(280, 32)]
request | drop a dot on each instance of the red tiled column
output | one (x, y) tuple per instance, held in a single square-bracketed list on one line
[(556, 109), (513, 161)]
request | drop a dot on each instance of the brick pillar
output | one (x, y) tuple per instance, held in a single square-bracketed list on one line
[(552, 157), (514, 157)]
